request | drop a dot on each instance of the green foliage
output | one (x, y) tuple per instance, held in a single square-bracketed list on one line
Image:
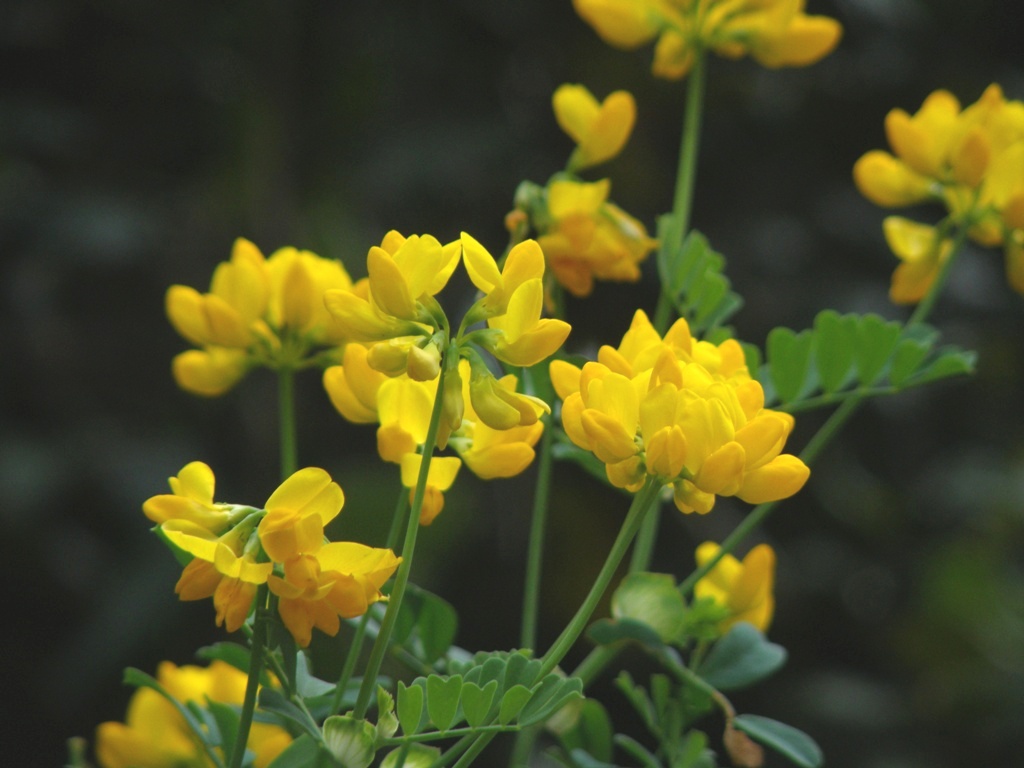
[(590, 734), (426, 624), (741, 658), (651, 598), (302, 753), (785, 739), (853, 355), (692, 277)]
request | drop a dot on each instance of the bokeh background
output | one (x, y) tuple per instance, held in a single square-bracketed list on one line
[(138, 139)]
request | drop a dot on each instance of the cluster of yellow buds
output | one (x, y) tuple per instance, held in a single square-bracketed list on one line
[(776, 33), (258, 311), (155, 734), (404, 338), (236, 548), (584, 236), (684, 411), (971, 161)]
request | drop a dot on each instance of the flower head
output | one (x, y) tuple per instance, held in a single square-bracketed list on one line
[(776, 33), (683, 411), (258, 312), (968, 160)]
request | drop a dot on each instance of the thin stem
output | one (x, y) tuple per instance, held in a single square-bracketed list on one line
[(535, 551), (686, 177), (643, 502), (259, 638), (356, 646), (286, 408), (643, 548), (408, 548)]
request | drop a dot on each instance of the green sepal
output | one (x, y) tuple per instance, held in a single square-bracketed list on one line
[(411, 756), (351, 742), (794, 744)]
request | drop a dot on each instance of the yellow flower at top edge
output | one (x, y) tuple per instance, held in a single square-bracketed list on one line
[(600, 130), (154, 735), (970, 161), (258, 312), (585, 237), (680, 410), (745, 589), (776, 33)]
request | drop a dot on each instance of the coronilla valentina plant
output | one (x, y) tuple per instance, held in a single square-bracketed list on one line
[(680, 412)]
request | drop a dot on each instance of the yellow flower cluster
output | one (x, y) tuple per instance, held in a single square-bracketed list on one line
[(155, 735), (258, 311), (684, 411), (391, 377), (316, 582), (776, 33), (583, 235), (744, 589), (970, 160)]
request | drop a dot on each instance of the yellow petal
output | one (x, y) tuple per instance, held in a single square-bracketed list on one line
[(309, 491), (624, 24), (888, 182), (722, 471), (779, 479)]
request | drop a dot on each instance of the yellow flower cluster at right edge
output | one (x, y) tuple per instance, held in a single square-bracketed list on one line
[(969, 160), (682, 410)]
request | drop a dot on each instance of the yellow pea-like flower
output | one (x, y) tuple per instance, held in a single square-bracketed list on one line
[(745, 589), (776, 33), (297, 513), (600, 130), (155, 734), (440, 477), (918, 246)]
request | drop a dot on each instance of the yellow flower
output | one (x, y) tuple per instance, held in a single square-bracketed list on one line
[(970, 160), (776, 33), (918, 247), (191, 499), (341, 579), (223, 568), (258, 312), (440, 477), (154, 735), (745, 588), (599, 130), (353, 385), (403, 271), (683, 411), (585, 237), (297, 513)]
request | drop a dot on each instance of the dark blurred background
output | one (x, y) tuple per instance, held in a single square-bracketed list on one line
[(138, 139)]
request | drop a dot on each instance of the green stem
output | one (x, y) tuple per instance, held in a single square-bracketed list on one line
[(380, 646), (535, 551), (356, 647), (686, 178), (643, 549), (259, 638), (643, 502), (286, 407)]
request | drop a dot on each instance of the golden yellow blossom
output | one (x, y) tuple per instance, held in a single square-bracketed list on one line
[(599, 130), (744, 588)]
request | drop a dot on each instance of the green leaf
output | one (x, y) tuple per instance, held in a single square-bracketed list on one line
[(592, 731), (951, 361), (611, 631), (443, 700), (227, 718), (387, 723), (909, 355), (410, 708), (651, 599), (476, 702), (230, 653), (742, 657), (637, 751), (789, 358), (273, 701), (512, 703), (695, 751), (302, 753), (582, 759), (520, 670), (306, 684), (875, 341), (835, 341), (785, 739), (426, 624), (553, 692)]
